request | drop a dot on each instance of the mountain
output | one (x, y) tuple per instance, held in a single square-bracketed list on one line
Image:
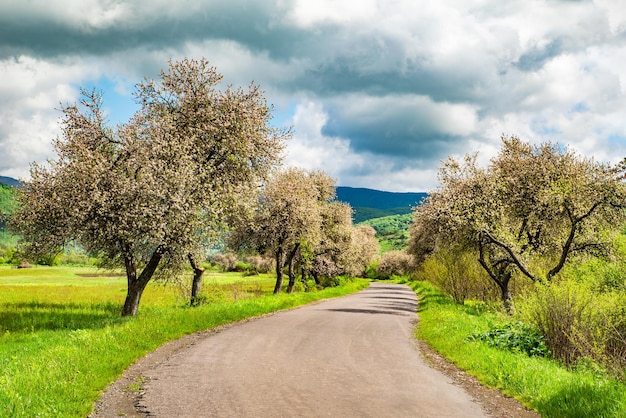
[(370, 204), (9, 181)]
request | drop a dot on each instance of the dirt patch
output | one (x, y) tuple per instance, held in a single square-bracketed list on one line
[(99, 275)]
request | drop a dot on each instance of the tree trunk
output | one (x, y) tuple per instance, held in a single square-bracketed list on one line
[(280, 263), (196, 284), (507, 299), (316, 278), (292, 272), (501, 276), (133, 297), (136, 285)]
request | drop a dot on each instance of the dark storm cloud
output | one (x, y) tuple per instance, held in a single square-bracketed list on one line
[(404, 83), (249, 23), (403, 131), (337, 60)]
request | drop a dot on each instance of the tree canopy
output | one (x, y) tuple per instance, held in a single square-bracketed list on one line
[(146, 194), (542, 202)]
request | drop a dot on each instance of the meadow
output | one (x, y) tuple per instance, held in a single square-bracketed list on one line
[(543, 384), (63, 340)]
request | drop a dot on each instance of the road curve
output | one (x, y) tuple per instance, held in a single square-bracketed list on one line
[(347, 357)]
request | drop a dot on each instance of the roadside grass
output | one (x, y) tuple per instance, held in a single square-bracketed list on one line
[(62, 340), (539, 383)]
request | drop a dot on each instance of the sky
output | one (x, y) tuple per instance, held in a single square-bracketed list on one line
[(378, 92)]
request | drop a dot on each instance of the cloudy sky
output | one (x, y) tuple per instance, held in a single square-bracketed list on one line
[(378, 92)]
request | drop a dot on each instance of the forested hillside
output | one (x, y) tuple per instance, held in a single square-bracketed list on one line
[(9, 181), (370, 204), (391, 231), (7, 204)]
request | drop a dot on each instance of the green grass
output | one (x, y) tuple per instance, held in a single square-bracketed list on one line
[(539, 383), (62, 339)]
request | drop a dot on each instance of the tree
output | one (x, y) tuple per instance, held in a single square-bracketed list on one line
[(325, 259), (363, 251), (531, 203), (394, 263), (288, 216), (146, 195)]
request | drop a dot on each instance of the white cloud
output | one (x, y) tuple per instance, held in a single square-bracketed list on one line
[(31, 91), (310, 149), (378, 92), (308, 13)]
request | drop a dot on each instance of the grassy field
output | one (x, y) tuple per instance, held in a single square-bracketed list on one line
[(62, 339), (540, 383)]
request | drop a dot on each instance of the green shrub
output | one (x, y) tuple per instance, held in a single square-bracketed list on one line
[(49, 260), (311, 286), (333, 281), (602, 275), (518, 337), (74, 258), (457, 273), (560, 311), (6, 255), (243, 267), (298, 286), (578, 323), (371, 272)]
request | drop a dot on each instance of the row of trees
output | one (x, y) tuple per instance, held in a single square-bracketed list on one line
[(193, 162), (149, 193), (300, 224)]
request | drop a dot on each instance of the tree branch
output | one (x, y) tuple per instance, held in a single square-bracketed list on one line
[(511, 254)]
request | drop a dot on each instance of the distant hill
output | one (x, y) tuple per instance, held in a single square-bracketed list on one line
[(370, 204), (9, 181), (391, 231), (7, 206)]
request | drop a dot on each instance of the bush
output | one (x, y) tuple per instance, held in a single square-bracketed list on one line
[(49, 260), (7, 255), (261, 264), (578, 323), (602, 275), (311, 286), (515, 337), (243, 267), (394, 263), (457, 273), (76, 259), (226, 261), (333, 281), (560, 311), (372, 270)]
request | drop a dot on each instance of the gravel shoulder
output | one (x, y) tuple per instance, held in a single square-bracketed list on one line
[(173, 375)]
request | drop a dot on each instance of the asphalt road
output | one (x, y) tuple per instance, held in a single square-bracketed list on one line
[(347, 357)]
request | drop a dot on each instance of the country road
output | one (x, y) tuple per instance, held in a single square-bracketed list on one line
[(347, 357), (353, 356)]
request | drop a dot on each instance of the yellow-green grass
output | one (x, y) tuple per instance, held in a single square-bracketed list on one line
[(62, 339), (61, 275), (539, 383)]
